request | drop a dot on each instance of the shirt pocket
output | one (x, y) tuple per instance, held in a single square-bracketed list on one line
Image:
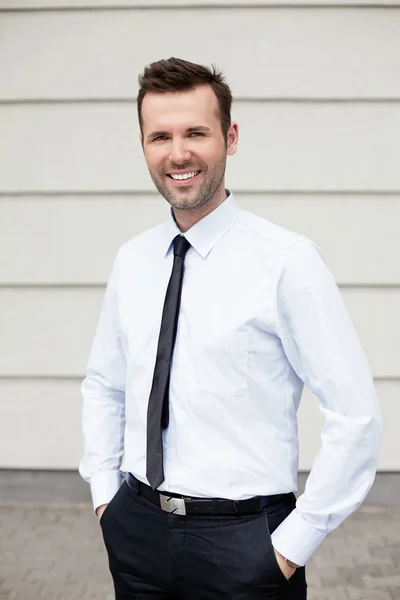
[(221, 366)]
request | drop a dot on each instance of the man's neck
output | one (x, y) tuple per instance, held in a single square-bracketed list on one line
[(186, 218)]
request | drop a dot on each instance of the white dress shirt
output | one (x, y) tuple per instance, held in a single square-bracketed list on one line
[(260, 317)]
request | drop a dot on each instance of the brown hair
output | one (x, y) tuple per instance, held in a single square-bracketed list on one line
[(177, 75)]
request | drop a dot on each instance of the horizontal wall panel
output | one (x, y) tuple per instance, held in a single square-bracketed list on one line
[(38, 233), (40, 424), (55, 442), (359, 235), (47, 332), (289, 146), (50, 331), (31, 4), (93, 54)]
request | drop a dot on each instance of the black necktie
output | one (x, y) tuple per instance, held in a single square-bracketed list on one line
[(157, 411)]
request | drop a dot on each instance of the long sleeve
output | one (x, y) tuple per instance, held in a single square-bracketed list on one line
[(322, 347), (103, 414)]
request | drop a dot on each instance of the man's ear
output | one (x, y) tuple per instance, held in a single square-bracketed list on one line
[(233, 138)]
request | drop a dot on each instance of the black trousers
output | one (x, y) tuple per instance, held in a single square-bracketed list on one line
[(158, 555)]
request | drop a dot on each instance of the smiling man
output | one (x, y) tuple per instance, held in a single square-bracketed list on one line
[(186, 144), (211, 325)]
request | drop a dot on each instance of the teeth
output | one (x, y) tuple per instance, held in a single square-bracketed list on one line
[(185, 175)]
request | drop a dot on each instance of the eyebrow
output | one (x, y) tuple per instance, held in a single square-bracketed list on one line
[(199, 128), (155, 134)]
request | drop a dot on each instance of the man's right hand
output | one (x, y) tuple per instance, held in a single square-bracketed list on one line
[(100, 509)]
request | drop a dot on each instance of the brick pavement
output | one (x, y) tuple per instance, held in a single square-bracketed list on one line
[(56, 552)]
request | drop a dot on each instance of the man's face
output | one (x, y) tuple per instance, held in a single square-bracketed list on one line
[(184, 146)]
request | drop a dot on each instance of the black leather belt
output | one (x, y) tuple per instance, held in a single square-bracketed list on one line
[(185, 505)]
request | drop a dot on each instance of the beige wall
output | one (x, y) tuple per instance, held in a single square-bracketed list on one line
[(317, 97)]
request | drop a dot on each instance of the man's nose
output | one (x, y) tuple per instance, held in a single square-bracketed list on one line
[(179, 154)]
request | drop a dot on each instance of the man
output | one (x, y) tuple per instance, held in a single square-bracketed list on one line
[(211, 325)]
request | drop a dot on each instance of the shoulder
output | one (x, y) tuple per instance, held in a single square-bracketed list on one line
[(143, 242), (268, 233), (289, 250), (131, 252)]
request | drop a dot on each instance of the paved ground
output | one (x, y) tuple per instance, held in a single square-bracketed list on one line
[(56, 552)]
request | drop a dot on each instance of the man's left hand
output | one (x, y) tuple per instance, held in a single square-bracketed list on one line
[(284, 567)]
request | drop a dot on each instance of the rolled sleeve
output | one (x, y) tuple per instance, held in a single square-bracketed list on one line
[(322, 347), (103, 486), (103, 413), (296, 539)]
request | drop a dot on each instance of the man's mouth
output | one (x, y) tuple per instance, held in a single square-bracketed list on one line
[(183, 176)]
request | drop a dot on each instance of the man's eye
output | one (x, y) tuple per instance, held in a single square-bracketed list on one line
[(195, 133), (159, 137)]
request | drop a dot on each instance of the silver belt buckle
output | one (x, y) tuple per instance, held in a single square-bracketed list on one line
[(173, 505)]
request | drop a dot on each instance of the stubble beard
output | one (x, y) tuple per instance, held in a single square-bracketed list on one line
[(186, 199)]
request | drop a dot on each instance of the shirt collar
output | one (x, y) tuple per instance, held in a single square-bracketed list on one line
[(208, 231)]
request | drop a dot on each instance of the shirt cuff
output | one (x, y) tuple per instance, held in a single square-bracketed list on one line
[(296, 539), (103, 486)]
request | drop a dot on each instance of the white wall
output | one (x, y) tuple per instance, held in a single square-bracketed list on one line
[(317, 97)]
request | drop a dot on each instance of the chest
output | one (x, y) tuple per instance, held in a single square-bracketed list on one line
[(220, 298)]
